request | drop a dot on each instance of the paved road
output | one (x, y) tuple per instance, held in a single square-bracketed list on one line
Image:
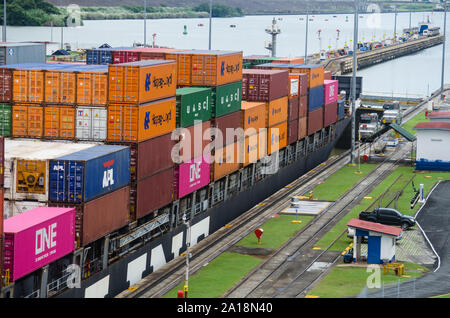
[(434, 219)]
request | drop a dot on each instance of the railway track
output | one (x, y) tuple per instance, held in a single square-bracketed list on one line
[(285, 270), (170, 275)]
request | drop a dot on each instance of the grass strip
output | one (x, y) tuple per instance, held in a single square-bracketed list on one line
[(218, 276), (346, 281)]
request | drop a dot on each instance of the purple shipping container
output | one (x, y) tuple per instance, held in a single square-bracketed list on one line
[(330, 92), (36, 238), (315, 120), (266, 85), (303, 84), (330, 114), (231, 121), (192, 176), (293, 108), (292, 131)]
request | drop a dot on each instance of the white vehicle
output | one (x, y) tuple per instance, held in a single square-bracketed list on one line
[(392, 117)]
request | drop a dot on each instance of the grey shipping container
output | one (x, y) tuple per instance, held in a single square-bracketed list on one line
[(91, 123), (18, 53)]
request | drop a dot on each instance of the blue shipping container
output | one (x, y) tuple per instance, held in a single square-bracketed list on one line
[(315, 98), (88, 174), (341, 109)]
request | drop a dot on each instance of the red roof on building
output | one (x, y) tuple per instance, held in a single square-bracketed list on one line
[(439, 115), (435, 125), (375, 227)]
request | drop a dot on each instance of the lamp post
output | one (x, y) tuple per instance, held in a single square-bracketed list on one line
[(188, 243), (4, 22), (210, 23), (443, 50), (145, 23), (353, 86), (306, 36)]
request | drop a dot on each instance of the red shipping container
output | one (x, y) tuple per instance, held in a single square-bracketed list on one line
[(192, 141), (303, 106), (292, 131), (293, 108), (330, 114), (150, 157), (152, 193), (99, 217), (315, 120), (302, 127), (266, 85), (327, 75), (5, 85), (303, 84), (127, 56), (231, 121), (244, 87)]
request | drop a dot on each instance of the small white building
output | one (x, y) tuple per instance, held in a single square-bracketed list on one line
[(380, 241), (433, 146)]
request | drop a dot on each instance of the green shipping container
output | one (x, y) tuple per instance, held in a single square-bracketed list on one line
[(5, 119), (193, 104), (226, 99)]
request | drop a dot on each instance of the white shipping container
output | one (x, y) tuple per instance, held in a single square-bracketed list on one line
[(91, 123), (31, 182), (13, 208)]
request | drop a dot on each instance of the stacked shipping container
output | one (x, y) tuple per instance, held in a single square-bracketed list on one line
[(142, 114)]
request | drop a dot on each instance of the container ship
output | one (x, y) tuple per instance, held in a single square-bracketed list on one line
[(105, 162)]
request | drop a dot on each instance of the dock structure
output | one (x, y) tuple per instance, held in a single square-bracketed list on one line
[(344, 65)]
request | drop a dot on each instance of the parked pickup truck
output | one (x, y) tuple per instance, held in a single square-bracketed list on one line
[(389, 217)]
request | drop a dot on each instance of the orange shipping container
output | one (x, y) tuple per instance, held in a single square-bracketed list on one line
[(142, 82), (92, 88), (133, 123), (302, 127), (60, 87), (315, 75), (290, 60), (184, 64), (27, 120), (227, 160), (277, 111), (276, 137), (255, 147), (59, 122), (208, 68), (28, 86), (215, 68), (253, 115)]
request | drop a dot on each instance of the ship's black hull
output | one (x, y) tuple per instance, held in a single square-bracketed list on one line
[(122, 274)]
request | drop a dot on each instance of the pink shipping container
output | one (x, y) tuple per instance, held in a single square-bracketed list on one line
[(315, 120), (192, 175), (330, 92), (266, 85), (330, 114), (36, 238), (292, 131), (303, 84), (293, 108), (303, 106)]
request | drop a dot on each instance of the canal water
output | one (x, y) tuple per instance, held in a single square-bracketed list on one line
[(414, 75)]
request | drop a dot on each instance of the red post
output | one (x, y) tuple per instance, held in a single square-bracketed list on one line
[(180, 294)]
